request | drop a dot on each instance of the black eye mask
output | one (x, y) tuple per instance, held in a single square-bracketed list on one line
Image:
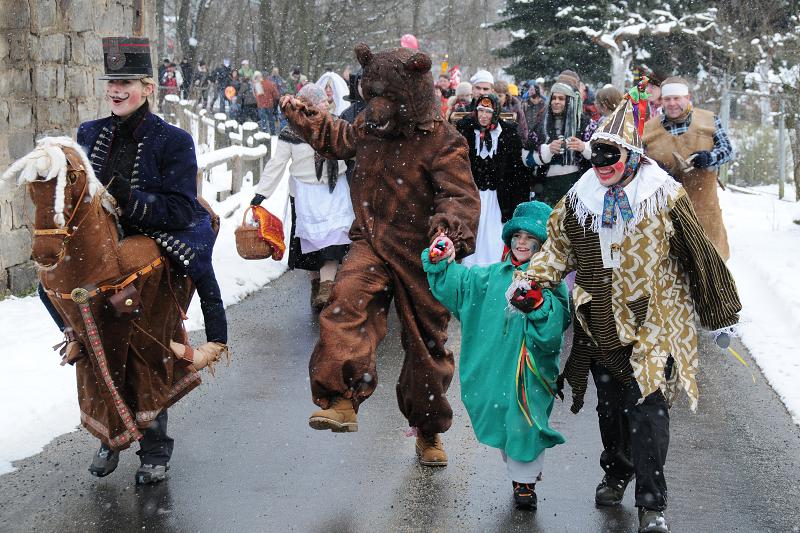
[(604, 155)]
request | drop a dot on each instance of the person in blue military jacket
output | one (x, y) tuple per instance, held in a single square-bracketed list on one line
[(149, 167)]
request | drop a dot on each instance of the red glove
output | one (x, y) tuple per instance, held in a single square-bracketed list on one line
[(527, 301)]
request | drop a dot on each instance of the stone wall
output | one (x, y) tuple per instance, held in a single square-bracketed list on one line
[(50, 58)]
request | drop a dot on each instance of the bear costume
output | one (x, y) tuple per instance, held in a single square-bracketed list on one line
[(412, 181)]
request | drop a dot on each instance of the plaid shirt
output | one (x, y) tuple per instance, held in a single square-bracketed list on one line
[(723, 149)]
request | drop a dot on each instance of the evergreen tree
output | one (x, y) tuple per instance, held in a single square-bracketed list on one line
[(602, 37), (542, 44)]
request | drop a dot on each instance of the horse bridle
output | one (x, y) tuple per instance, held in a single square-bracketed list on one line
[(64, 231)]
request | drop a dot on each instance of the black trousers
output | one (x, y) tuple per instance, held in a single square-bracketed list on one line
[(635, 436), (155, 446), (212, 307)]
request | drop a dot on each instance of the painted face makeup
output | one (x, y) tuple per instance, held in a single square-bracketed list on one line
[(524, 245), (126, 96)]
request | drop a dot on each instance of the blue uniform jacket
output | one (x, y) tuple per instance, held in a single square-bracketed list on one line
[(163, 202)]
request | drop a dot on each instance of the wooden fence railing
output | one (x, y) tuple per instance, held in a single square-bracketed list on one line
[(242, 147)]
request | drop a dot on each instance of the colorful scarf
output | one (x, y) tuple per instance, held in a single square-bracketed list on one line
[(616, 197)]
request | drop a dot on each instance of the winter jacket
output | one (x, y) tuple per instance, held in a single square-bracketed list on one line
[(504, 171), (269, 96), (163, 199), (222, 76), (492, 344)]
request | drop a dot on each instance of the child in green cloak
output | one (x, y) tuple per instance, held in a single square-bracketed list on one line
[(509, 355)]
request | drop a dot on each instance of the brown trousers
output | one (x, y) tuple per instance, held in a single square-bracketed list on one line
[(354, 323)]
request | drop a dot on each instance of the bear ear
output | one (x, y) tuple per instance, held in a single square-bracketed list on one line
[(419, 62), (363, 54)]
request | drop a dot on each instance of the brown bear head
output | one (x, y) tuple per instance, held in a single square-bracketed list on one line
[(397, 86)]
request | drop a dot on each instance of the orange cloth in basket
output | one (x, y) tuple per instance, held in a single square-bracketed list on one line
[(270, 229)]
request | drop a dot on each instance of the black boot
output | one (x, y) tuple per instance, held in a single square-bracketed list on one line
[(651, 521), (525, 495), (610, 491), (104, 462), (149, 474)]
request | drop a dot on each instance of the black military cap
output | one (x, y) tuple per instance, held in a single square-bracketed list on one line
[(126, 58)]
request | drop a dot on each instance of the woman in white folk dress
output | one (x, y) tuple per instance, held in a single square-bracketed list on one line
[(321, 208)]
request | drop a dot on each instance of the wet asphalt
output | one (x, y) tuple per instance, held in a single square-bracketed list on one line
[(246, 460)]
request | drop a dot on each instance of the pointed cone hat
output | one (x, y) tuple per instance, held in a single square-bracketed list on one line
[(625, 125)]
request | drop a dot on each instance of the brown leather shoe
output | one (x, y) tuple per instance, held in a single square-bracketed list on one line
[(323, 296), (340, 417), (430, 451)]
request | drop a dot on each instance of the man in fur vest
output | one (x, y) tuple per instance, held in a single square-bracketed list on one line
[(691, 145), (411, 181)]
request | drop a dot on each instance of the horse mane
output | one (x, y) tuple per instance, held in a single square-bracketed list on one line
[(48, 161)]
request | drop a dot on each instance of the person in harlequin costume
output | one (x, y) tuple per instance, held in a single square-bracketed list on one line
[(411, 181), (645, 272), (509, 355), (150, 169)]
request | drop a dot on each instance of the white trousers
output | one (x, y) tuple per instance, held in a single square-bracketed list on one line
[(524, 472)]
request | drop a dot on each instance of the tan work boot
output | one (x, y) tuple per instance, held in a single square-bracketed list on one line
[(340, 417), (430, 451), (323, 296)]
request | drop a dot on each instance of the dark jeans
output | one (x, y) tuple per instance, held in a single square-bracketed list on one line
[(50, 308), (155, 446), (266, 120), (212, 307), (635, 436)]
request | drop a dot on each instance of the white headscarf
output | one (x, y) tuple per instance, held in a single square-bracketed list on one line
[(340, 90)]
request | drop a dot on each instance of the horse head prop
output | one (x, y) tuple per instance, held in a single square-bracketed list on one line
[(118, 297), (64, 192)]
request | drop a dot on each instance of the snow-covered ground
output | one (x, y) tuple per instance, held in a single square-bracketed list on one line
[(765, 260), (39, 397)]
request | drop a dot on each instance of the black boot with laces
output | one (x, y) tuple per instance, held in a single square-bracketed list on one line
[(525, 495), (610, 491)]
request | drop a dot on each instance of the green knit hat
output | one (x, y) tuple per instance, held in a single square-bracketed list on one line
[(530, 217)]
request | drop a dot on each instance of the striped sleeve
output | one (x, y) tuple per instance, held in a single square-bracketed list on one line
[(712, 286), (556, 258)]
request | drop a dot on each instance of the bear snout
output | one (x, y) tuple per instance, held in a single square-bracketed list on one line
[(379, 115)]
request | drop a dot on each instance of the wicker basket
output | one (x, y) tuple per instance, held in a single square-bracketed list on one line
[(249, 243)]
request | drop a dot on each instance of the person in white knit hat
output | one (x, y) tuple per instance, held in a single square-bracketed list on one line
[(482, 83)]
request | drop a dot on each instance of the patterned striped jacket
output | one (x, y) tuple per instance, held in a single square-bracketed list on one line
[(633, 317)]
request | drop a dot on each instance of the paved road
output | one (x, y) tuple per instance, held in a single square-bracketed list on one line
[(245, 459)]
